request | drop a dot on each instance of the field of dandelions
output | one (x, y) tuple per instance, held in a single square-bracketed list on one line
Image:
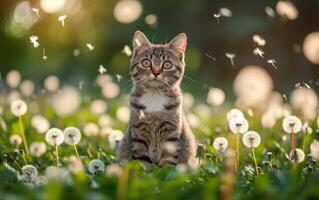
[(58, 142)]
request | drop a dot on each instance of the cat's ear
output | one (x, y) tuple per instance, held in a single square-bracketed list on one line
[(140, 41), (179, 43)]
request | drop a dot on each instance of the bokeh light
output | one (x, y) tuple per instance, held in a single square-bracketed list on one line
[(127, 11)]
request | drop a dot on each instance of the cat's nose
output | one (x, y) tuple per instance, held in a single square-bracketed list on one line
[(156, 73)]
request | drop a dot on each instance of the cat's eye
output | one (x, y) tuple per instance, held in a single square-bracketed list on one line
[(146, 63), (167, 65)]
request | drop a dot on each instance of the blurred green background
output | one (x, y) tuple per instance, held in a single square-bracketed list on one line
[(93, 21)]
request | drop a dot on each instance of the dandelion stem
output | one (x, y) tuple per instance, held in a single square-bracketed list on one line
[(57, 155), (304, 139), (77, 153), (256, 166), (25, 143), (237, 151), (24, 160), (122, 184), (17, 164), (293, 147)]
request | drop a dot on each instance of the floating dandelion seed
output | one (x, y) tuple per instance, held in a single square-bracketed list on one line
[(220, 144), (118, 78), (96, 166), (259, 52), (126, 50), (251, 139), (45, 57), (29, 173), (15, 140), (231, 57), (217, 16), (211, 57), (37, 149), (34, 40), (36, 11), (102, 70), (270, 12), (62, 19), (272, 62), (55, 137), (90, 46), (259, 40)]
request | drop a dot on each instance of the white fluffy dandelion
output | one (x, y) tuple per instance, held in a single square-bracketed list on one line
[(96, 166), (114, 137), (29, 173), (18, 107), (234, 113), (220, 144), (298, 156), (15, 140), (291, 124), (91, 129), (251, 139), (72, 135), (37, 149), (54, 136), (238, 125)]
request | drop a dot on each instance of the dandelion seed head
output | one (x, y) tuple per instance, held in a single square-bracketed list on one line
[(54, 136), (66, 101), (127, 11), (27, 88), (311, 47), (18, 107), (110, 90), (287, 10), (215, 97), (72, 135), (291, 124), (98, 107), (123, 114), (251, 139), (234, 113), (114, 137), (15, 139), (220, 144), (270, 12), (40, 123), (299, 156), (96, 166), (306, 129), (29, 173), (91, 129), (51, 83), (37, 149), (238, 125), (13, 79)]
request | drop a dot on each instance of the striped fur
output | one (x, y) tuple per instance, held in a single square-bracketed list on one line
[(157, 132)]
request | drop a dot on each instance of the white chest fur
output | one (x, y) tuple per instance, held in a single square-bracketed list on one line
[(153, 100)]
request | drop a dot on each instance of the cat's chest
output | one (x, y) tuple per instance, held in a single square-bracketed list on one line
[(153, 101)]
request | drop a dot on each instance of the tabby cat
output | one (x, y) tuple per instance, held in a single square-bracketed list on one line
[(157, 133)]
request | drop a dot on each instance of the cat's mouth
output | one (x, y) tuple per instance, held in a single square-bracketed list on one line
[(155, 83)]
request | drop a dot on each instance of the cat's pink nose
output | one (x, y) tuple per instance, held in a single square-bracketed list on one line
[(156, 72)]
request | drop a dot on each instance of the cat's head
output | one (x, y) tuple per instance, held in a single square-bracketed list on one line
[(158, 65)]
